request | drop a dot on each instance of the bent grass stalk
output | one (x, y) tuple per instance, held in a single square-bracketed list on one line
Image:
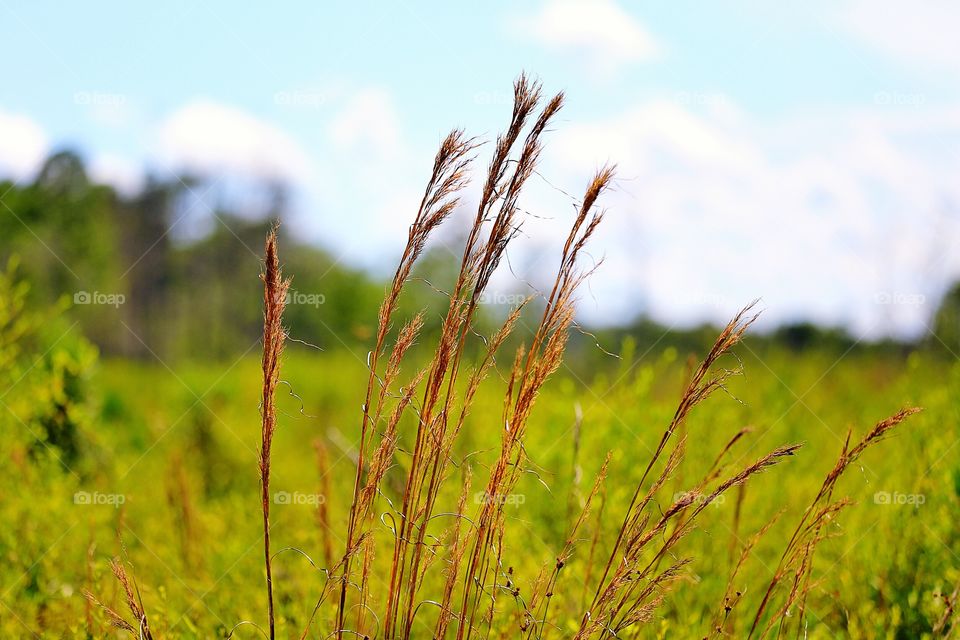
[(140, 628)]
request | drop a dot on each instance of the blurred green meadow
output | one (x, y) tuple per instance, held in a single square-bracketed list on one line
[(157, 464)]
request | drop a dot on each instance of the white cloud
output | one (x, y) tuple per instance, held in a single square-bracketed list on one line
[(122, 174), (598, 30), (206, 136), (923, 33), (657, 133), (23, 146), (368, 178), (824, 219), (368, 123)]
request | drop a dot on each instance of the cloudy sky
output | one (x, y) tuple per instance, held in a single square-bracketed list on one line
[(809, 157)]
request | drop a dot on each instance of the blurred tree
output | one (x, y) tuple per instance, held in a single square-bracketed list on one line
[(171, 272), (145, 222), (146, 284), (798, 336), (44, 366), (65, 232), (945, 329)]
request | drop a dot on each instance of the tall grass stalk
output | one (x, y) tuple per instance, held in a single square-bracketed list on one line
[(274, 335)]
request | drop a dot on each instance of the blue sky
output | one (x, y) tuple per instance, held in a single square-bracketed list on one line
[(805, 154)]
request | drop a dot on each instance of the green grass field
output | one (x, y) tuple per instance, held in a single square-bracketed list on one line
[(166, 476)]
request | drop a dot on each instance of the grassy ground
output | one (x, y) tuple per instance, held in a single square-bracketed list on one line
[(168, 461)]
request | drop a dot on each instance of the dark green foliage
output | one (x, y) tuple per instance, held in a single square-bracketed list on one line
[(945, 331)]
